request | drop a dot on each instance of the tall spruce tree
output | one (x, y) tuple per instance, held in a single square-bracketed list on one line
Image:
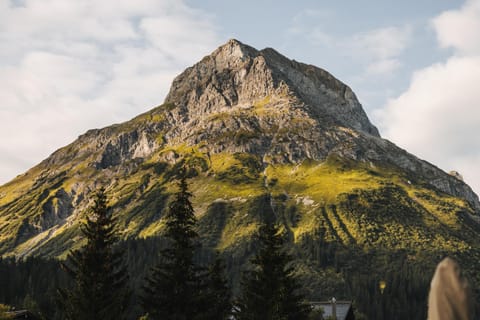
[(269, 290), (100, 289), (172, 289)]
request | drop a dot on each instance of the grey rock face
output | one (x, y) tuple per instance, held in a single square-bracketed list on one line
[(456, 174), (131, 145), (236, 74), (55, 210)]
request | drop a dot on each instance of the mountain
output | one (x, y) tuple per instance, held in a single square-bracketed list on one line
[(261, 135)]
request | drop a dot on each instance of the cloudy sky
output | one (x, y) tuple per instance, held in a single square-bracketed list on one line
[(67, 66)]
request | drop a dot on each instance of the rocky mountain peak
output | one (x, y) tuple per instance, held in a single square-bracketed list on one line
[(238, 75), (231, 51)]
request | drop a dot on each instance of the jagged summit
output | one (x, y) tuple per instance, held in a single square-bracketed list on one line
[(237, 75)]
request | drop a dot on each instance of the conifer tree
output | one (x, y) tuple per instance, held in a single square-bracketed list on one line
[(216, 293), (172, 289), (269, 290), (100, 289)]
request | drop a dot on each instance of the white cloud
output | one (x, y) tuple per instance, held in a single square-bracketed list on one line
[(377, 50), (383, 43), (380, 48), (460, 29), (438, 116), (383, 66), (310, 24), (68, 66)]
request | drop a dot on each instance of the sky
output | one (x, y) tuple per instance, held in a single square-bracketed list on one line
[(67, 66)]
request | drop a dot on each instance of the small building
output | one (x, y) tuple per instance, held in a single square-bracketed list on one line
[(342, 309)]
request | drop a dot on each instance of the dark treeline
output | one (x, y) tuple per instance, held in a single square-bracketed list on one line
[(32, 283)]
